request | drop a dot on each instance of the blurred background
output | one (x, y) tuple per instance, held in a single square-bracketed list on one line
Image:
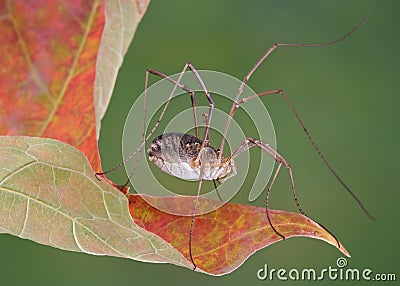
[(347, 94)]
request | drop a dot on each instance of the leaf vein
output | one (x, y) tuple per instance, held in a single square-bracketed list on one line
[(72, 219), (71, 70)]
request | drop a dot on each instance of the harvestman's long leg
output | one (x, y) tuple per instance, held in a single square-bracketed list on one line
[(184, 88), (310, 138), (237, 103), (192, 222), (144, 140), (177, 84), (206, 142), (248, 143), (204, 158), (261, 60), (204, 115)]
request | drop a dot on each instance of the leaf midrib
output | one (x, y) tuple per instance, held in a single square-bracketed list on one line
[(49, 206), (58, 100)]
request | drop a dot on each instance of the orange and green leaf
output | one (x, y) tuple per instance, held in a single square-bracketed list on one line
[(226, 237)]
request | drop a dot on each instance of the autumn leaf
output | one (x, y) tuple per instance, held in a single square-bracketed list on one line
[(48, 65), (50, 195), (59, 64), (226, 237)]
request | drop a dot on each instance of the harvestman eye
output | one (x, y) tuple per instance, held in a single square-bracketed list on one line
[(190, 158)]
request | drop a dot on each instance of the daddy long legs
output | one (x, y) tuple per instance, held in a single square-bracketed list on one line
[(190, 158)]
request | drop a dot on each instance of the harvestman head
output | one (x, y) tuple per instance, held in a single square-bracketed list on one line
[(190, 158)]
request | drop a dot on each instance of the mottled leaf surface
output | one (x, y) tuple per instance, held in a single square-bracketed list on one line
[(48, 60), (49, 194), (226, 237)]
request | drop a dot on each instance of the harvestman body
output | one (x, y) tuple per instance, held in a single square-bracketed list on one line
[(190, 158), (182, 155)]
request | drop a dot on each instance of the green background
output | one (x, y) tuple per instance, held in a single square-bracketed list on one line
[(347, 94)]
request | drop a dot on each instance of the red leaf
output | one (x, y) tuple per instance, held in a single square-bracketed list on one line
[(226, 237), (48, 62)]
